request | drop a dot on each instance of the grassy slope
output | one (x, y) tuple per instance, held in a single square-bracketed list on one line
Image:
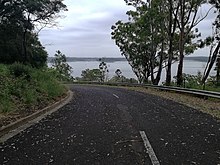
[(32, 90)]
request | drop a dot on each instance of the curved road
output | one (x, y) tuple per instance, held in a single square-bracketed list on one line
[(106, 126)]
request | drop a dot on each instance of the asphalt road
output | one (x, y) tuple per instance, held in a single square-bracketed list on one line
[(102, 126)]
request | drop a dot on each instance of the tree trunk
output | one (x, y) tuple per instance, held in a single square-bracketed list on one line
[(157, 80), (170, 51), (152, 69), (24, 45), (169, 65), (180, 66), (218, 72), (171, 32), (181, 45), (212, 62)]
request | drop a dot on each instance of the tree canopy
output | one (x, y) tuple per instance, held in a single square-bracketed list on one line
[(157, 34), (18, 21)]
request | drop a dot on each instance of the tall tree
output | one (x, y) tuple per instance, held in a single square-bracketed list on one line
[(22, 17), (215, 48), (171, 19), (40, 12), (142, 39), (188, 18)]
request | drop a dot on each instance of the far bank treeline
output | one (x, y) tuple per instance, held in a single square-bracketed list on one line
[(161, 32)]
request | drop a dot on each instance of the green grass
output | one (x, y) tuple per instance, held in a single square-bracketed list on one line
[(22, 87)]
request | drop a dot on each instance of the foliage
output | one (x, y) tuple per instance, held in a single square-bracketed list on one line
[(18, 70), (188, 17), (19, 93), (18, 23), (128, 37), (91, 75), (192, 81), (215, 47), (119, 78), (122, 79), (63, 69), (104, 71), (142, 40), (195, 82), (157, 34)]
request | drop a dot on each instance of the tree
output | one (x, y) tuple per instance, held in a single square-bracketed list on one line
[(104, 70), (125, 38), (19, 20), (215, 47), (188, 17), (91, 75), (38, 11), (11, 46), (63, 69), (171, 19), (142, 40)]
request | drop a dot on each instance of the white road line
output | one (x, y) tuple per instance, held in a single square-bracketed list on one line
[(149, 149), (116, 96)]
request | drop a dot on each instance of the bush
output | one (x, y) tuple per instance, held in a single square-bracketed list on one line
[(18, 69), (47, 83), (63, 69)]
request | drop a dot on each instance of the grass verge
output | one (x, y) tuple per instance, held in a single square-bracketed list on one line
[(24, 90)]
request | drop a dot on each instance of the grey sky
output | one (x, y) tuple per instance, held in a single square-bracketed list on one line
[(85, 31)]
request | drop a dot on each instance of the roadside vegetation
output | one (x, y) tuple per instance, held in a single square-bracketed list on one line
[(195, 82), (26, 83), (25, 88), (161, 32)]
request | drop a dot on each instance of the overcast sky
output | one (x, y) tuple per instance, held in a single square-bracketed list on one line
[(85, 31)]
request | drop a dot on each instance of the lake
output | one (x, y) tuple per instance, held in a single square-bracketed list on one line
[(190, 67)]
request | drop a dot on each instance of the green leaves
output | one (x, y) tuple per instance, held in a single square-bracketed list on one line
[(63, 69), (140, 39), (18, 20), (91, 75)]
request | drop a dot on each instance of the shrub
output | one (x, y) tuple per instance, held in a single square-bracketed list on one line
[(63, 69), (18, 69)]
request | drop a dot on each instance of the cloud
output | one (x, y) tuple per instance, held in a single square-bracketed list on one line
[(85, 31)]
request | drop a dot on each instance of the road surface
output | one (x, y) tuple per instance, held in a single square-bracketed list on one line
[(107, 126)]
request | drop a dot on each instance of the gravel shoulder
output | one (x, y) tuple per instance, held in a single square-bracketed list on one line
[(209, 106)]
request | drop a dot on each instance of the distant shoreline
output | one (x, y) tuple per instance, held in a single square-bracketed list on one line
[(110, 60)]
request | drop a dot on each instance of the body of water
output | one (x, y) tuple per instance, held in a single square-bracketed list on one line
[(190, 67)]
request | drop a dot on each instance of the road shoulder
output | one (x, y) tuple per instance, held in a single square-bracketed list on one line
[(25, 122)]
